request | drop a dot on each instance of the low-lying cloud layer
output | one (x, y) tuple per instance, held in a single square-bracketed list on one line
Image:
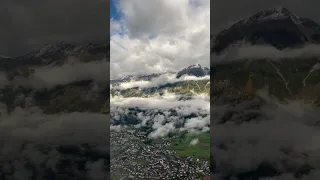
[(266, 52), (158, 81), (163, 114), (279, 141), (47, 78), (35, 145)]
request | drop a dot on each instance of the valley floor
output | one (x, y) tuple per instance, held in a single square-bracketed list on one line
[(134, 156)]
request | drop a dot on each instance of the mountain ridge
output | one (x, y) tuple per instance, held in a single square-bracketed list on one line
[(57, 54), (277, 27), (192, 70), (292, 77)]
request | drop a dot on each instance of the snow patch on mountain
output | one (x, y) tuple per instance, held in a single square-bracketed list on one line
[(194, 70), (53, 48)]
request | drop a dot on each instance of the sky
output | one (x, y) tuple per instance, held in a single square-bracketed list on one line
[(224, 13), (157, 36), (28, 25)]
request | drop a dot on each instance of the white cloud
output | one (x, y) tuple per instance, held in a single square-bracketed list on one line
[(46, 78), (156, 36), (158, 81), (3, 80), (166, 101), (32, 144), (194, 142), (166, 113), (285, 136), (247, 51)]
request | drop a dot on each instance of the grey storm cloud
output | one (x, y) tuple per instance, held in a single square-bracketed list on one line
[(27, 25), (225, 13)]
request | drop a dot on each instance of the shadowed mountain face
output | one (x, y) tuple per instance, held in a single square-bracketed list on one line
[(46, 65), (194, 70), (192, 79), (57, 100), (277, 27), (265, 108), (57, 54), (294, 76), (285, 79)]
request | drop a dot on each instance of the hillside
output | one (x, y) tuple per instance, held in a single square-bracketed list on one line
[(265, 94), (253, 46), (159, 115), (49, 99)]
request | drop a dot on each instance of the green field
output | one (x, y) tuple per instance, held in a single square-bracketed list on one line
[(142, 162), (181, 144)]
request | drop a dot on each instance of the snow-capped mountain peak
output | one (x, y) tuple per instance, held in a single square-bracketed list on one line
[(52, 48), (194, 70), (81, 50), (277, 27), (195, 66), (277, 13)]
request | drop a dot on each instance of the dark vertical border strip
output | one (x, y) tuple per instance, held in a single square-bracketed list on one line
[(211, 81)]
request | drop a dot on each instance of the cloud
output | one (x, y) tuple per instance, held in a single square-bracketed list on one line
[(149, 43), (35, 144), (3, 80), (194, 142), (96, 170), (115, 128), (162, 114), (283, 137), (47, 78), (162, 130), (166, 101), (158, 81), (253, 52), (74, 21)]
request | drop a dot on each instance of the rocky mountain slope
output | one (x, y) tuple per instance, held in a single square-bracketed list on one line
[(56, 100), (270, 103), (80, 94), (148, 85), (276, 26), (293, 76), (194, 70), (57, 54)]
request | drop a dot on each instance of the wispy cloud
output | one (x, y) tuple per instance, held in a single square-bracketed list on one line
[(284, 137), (33, 139), (166, 113), (47, 78), (158, 81), (266, 52), (143, 42)]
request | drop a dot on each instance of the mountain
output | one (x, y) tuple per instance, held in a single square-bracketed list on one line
[(254, 95), (148, 85), (194, 70), (82, 94), (73, 93), (290, 77), (57, 54), (4, 59), (277, 27)]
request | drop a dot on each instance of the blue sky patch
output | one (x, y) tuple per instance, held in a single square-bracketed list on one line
[(114, 13)]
